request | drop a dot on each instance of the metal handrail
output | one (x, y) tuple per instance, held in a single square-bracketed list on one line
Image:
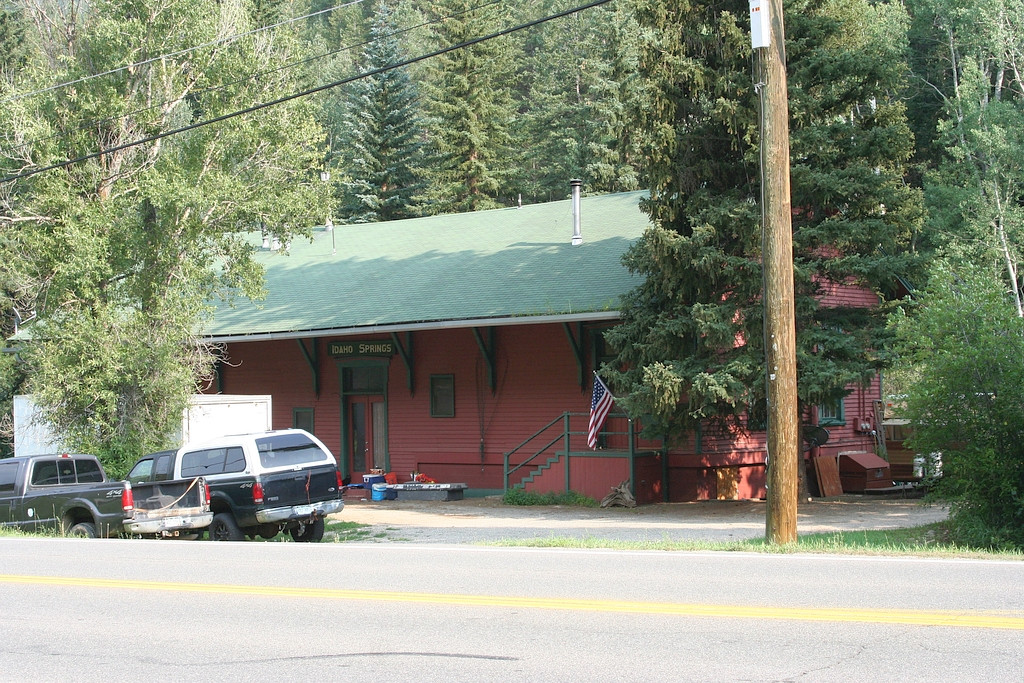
[(536, 434), (564, 435), (506, 471), (532, 457)]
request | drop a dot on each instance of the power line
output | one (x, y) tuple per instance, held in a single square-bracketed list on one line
[(253, 76), (305, 93), (178, 53)]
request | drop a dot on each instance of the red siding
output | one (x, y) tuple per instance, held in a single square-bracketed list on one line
[(535, 375), (649, 485), (847, 295), (279, 368), (536, 380)]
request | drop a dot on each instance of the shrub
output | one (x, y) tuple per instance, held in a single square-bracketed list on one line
[(966, 402), (523, 497)]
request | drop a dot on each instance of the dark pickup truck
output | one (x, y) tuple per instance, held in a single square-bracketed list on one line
[(67, 492), (71, 493), (260, 484)]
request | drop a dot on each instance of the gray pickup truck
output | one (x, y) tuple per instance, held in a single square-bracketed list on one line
[(71, 493), (260, 484)]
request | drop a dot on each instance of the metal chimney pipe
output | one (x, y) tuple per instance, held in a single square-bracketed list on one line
[(577, 235)]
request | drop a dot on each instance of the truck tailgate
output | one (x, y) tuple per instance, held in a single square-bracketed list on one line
[(300, 487), (169, 506)]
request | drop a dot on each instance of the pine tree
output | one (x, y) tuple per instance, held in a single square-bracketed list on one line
[(691, 345), (571, 121), (383, 144), (336, 37), (470, 106)]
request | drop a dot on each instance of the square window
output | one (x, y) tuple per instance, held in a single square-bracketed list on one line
[(831, 413), (302, 418), (442, 395), (89, 471)]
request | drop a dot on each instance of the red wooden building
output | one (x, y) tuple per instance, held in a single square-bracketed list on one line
[(463, 346)]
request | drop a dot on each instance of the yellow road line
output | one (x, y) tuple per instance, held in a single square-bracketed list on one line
[(990, 620)]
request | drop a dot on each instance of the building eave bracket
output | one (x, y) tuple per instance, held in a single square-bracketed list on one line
[(405, 352), (487, 350)]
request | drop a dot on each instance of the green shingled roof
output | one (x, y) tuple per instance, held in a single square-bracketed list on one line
[(445, 270)]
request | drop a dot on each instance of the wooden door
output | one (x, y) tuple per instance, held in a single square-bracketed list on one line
[(367, 425)]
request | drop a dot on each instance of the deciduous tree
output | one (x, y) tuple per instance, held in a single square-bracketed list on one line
[(966, 401), (120, 254), (972, 107)]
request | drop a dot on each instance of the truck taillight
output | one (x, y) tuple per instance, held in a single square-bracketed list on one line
[(341, 482), (127, 498), (257, 493), (206, 493)]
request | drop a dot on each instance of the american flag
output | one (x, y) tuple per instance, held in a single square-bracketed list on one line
[(600, 404)]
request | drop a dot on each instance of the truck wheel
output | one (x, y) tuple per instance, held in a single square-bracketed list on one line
[(225, 528), (309, 533), (83, 530)]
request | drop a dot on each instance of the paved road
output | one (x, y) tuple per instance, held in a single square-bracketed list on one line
[(100, 610), (476, 520)]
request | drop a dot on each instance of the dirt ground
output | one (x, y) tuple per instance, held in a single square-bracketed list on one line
[(474, 520)]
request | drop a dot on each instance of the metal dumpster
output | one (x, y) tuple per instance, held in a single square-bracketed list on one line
[(859, 472)]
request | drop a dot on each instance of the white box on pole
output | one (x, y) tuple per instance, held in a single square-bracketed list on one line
[(760, 24)]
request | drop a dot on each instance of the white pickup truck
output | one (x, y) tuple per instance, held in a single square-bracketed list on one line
[(261, 484)]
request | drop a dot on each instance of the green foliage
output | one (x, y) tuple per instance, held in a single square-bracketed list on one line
[(340, 532), (690, 347), (507, 120), (469, 100), (959, 348), (121, 255), (515, 496), (966, 403), (133, 375), (12, 37), (383, 148), (971, 104), (569, 93), (11, 379)]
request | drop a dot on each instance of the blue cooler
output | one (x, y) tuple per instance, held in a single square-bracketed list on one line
[(382, 492)]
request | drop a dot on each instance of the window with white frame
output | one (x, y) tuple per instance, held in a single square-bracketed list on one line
[(831, 413)]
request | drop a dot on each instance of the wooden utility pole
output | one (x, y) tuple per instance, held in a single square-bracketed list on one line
[(780, 325)]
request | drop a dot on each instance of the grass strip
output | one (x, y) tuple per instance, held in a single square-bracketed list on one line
[(926, 541)]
